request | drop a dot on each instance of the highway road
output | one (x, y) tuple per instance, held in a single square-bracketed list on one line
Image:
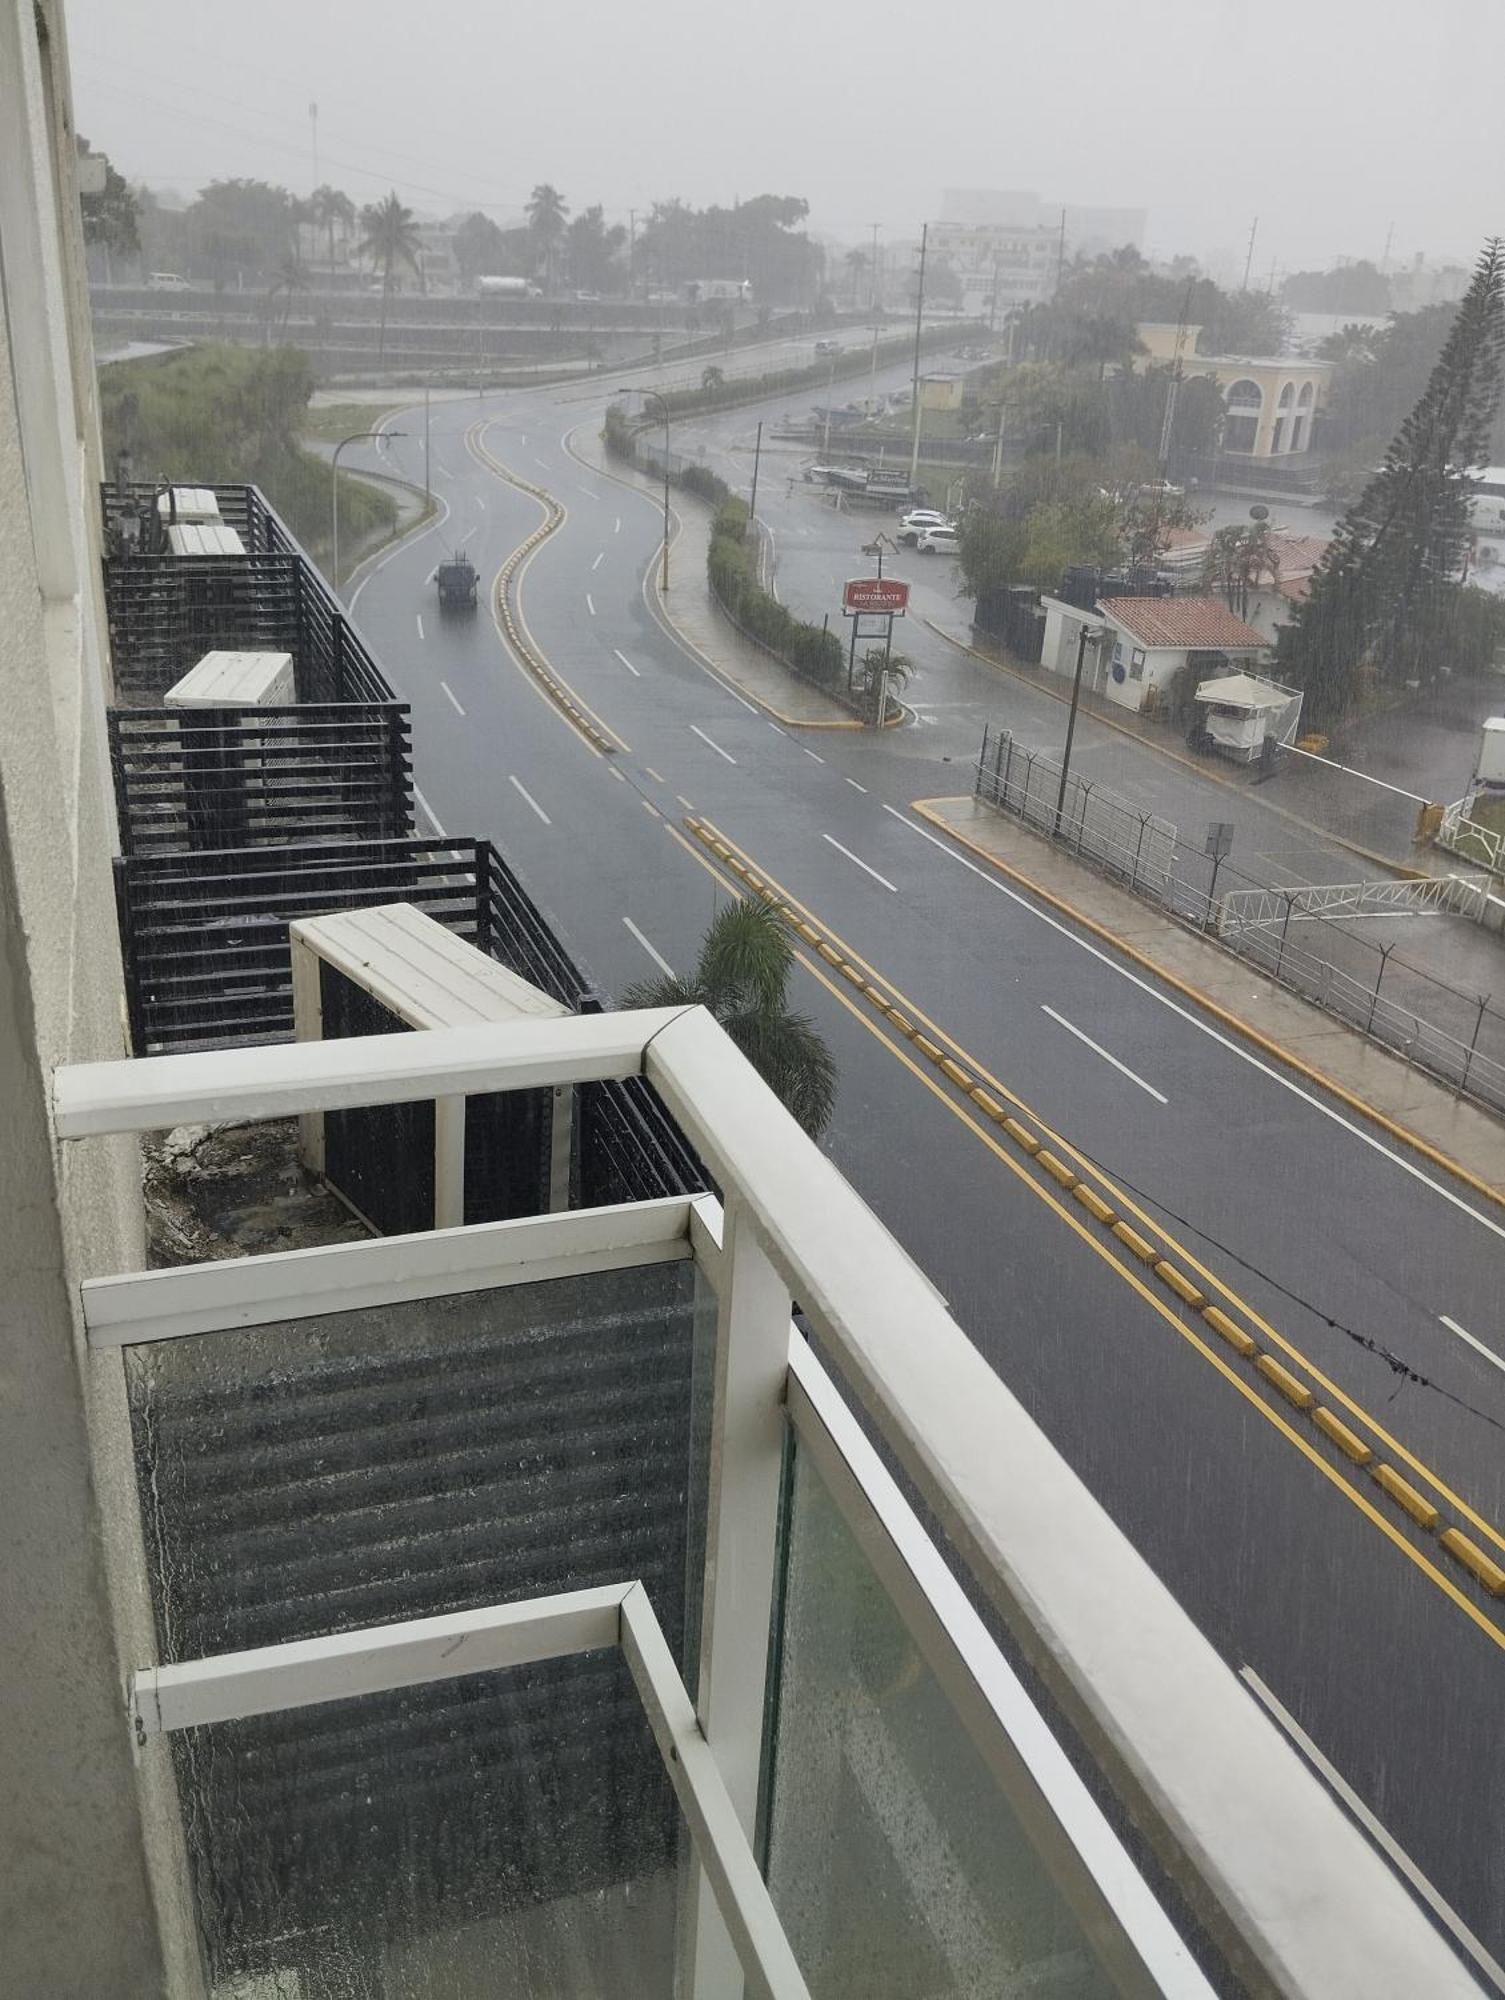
[(1374, 1278)]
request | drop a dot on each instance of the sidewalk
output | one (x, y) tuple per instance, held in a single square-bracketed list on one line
[(698, 621), (1405, 1103)]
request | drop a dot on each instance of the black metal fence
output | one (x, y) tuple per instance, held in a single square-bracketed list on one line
[(1456, 1036), (248, 776), (205, 934), (1014, 618), (166, 611)]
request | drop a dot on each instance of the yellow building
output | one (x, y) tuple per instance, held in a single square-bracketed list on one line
[(1271, 402)]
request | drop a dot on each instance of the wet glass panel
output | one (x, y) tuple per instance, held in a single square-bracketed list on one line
[(314, 1476), (895, 1864), (346, 1852)]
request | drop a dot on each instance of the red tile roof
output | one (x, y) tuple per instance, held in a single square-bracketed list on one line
[(1195, 623)]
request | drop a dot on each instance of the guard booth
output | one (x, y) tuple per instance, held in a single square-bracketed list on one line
[(1240, 712), (443, 1163)]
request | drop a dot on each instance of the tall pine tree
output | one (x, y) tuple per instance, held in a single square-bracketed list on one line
[(1384, 597)]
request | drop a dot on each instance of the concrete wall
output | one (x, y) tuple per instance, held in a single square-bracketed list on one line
[(77, 1914)]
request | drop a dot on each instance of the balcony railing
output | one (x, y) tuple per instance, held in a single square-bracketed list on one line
[(499, 1571)]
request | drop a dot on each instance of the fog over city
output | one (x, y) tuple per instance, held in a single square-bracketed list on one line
[(1315, 119)]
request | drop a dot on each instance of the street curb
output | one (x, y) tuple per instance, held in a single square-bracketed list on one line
[(1403, 1133), (575, 711), (1399, 869), (682, 638), (1288, 1384)]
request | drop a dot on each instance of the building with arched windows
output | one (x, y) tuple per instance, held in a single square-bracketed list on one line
[(1271, 402)]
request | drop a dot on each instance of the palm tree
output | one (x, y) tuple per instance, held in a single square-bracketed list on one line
[(856, 263), (328, 206), (546, 214), (742, 977), (290, 279), (389, 239), (1239, 560)]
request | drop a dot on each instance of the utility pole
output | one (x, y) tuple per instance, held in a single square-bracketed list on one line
[(1249, 260), (919, 320), (313, 124), (1076, 696), (428, 496), (1389, 240), (663, 401), (1061, 252), (998, 448), (876, 288), (752, 505), (632, 247)]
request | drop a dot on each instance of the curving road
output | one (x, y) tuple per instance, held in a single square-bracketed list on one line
[(1383, 1278)]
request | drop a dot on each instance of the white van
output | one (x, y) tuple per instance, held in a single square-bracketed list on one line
[(168, 281)]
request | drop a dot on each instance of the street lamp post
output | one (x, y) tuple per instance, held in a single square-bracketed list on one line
[(664, 402), (355, 437)]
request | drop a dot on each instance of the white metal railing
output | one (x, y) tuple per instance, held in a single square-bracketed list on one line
[(1464, 836), (1278, 1877), (1434, 895)]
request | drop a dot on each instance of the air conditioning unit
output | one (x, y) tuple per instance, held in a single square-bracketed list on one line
[(438, 1165), (235, 680)]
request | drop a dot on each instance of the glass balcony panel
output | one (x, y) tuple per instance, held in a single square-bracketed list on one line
[(313, 1476), (498, 1837), (896, 1865)]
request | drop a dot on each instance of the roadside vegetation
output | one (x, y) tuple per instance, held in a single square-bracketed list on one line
[(231, 415), (742, 976)]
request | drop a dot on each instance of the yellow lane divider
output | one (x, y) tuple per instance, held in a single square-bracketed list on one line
[(575, 711), (1275, 1373)]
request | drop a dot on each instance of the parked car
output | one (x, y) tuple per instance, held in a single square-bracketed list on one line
[(828, 347), (168, 281), (940, 541), (914, 524)]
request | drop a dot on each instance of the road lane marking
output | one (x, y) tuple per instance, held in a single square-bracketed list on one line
[(540, 461), (737, 697), (590, 604), (1122, 1068), (687, 806), (1477, 1345), (634, 671), (432, 574), (481, 502), (419, 616), (652, 950), (883, 879), (440, 473), (616, 526), (696, 730), (654, 775), (427, 810), (1203, 1027), (776, 729), (813, 753), (963, 1112), (528, 798), (856, 787), (451, 693), (597, 563), (588, 493), (1394, 1853)]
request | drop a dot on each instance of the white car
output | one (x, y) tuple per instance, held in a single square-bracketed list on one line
[(913, 524), (168, 281), (940, 541)]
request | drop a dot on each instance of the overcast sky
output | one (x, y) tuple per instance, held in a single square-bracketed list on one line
[(1332, 120)]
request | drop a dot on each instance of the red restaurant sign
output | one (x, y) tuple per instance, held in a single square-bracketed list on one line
[(876, 593)]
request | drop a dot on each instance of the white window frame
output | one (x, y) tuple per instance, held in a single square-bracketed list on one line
[(1284, 1883)]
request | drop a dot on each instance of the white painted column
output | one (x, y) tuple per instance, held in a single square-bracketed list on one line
[(746, 1461)]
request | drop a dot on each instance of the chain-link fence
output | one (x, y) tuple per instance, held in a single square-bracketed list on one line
[(1455, 1035)]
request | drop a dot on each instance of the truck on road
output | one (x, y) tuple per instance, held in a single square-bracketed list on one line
[(456, 578), (506, 288)]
